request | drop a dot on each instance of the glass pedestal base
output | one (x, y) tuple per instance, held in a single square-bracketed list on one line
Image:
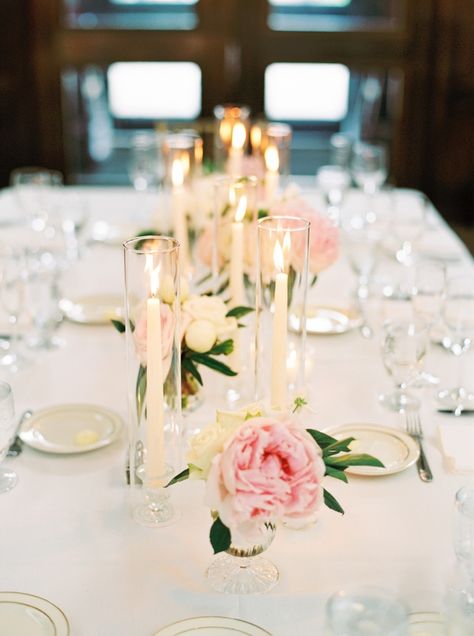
[(400, 401), (8, 479), (242, 575)]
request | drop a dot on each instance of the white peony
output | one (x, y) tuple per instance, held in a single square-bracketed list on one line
[(212, 309), (200, 335)]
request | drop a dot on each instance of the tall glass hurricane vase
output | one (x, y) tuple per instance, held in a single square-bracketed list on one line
[(154, 373), (282, 283)]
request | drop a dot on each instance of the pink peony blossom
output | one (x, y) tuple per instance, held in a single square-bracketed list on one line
[(268, 470), (323, 239), (167, 335)]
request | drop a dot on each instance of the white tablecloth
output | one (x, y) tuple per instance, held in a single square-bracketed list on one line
[(66, 533)]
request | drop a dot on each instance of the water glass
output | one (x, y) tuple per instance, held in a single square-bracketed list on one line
[(366, 611), (428, 291), (409, 212), (403, 350), (12, 296), (145, 167), (43, 304), (463, 529), (333, 181), (360, 243), (36, 189), (458, 315), (369, 166), (8, 478)]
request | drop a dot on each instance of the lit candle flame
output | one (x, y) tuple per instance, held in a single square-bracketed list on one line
[(241, 209), (185, 163), (278, 256), (238, 136), (154, 274), (225, 131), (272, 160), (286, 242), (177, 173), (256, 137)]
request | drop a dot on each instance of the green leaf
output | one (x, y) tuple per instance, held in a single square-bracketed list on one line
[(215, 365), (238, 312), (262, 213), (219, 536), (140, 390), (337, 447), (189, 366), (182, 476), (225, 347), (321, 439), (352, 459), (336, 473), (119, 325), (313, 280), (332, 502)]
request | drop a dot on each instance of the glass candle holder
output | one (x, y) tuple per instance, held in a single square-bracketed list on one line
[(282, 283), (276, 142), (231, 135), (179, 156), (154, 372)]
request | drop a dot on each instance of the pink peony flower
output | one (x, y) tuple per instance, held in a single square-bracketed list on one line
[(167, 335), (323, 239), (269, 469)]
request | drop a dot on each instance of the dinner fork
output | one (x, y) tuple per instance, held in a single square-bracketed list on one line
[(413, 426)]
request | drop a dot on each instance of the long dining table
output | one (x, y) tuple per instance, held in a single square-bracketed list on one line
[(66, 529)]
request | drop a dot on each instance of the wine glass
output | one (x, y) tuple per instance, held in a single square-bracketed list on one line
[(8, 478), (369, 171), (463, 529), (35, 188), (458, 315), (366, 611), (403, 350), (145, 166), (409, 211), (333, 181), (12, 294), (360, 241)]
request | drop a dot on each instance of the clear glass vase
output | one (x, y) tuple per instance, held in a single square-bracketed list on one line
[(241, 569), (152, 326)]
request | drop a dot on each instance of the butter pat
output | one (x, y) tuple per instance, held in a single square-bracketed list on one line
[(86, 437)]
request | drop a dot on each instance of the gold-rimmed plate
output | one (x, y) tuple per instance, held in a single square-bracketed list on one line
[(71, 428), (212, 626), (426, 624), (395, 449), (97, 309), (326, 320), (28, 614)]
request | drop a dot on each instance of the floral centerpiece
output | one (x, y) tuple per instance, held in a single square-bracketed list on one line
[(207, 331), (261, 468)]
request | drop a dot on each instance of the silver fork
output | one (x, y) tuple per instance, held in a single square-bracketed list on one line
[(413, 426)]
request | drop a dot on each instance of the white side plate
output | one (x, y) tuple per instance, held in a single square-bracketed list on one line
[(92, 310), (32, 615), (395, 449), (426, 624), (71, 428), (326, 320), (212, 626)]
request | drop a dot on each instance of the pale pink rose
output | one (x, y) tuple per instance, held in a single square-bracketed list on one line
[(323, 238), (268, 470), (167, 335)]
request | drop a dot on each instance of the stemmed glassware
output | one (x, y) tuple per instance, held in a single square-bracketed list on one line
[(365, 611), (408, 222), (35, 189), (13, 278), (369, 171), (458, 315), (8, 478), (403, 350), (333, 181)]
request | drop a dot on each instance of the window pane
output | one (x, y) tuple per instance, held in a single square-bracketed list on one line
[(308, 92), (130, 14), (335, 15), (154, 90)]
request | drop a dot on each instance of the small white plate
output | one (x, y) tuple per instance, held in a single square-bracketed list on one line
[(71, 428), (426, 624), (212, 626), (326, 320), (27, 614), (395, 449), (92, 310)]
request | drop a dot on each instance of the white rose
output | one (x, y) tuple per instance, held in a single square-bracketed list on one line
[(206, 308), (203, 447), (200, 335)]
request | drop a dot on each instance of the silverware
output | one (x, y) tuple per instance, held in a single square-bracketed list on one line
[(16, 447), (413, 426)]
